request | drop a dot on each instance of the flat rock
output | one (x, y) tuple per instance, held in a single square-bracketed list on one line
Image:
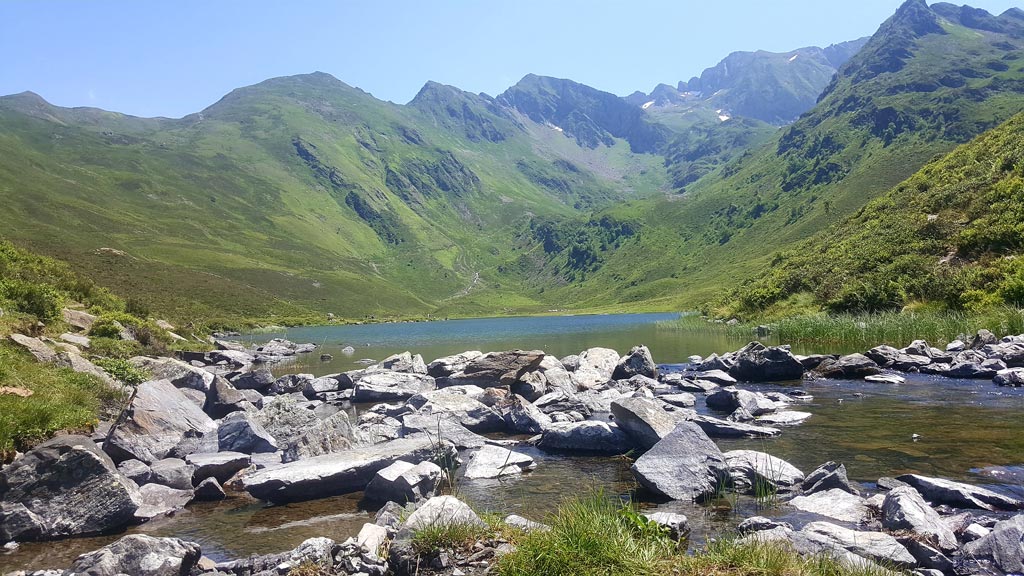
[(875, 546), (718, 428), (959, 495), (448, 365), (36, 347), (783, 418), (333, 474), (159, 500), (685, 465), (219, 465), (494, 461), (390, 386), (835, 503), (499, 368), (180, 374), (587, 436)]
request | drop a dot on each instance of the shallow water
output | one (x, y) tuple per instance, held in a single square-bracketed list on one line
[(971, 431)]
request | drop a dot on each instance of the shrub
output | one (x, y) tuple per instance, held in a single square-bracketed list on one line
[(123, 371)]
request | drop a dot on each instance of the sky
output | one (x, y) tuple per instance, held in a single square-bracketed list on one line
[(172, 58)]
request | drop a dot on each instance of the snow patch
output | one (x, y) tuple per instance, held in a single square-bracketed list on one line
[(723, 117), (793, 57), (647, 105), (556, 128)]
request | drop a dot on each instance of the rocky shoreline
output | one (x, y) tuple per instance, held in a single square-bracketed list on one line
[(219, 424)]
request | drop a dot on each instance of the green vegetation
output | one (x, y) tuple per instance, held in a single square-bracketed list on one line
[(61, 400), (728, 557)]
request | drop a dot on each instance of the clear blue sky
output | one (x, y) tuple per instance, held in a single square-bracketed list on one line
[(172, 58)]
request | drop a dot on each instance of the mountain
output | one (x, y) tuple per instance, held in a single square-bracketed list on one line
[(950, 234), (928, 80)]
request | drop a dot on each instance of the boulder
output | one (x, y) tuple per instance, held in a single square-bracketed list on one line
[(753, 472), (78, 319), (259, 379), (498, 368), (719, 377), (39, 350), (522, 417), (826, 477), (219, 465), (135, 471), (389, 386), (756, 362), (333, 474), (443, 511), (975, 370), (318, 388), (638, 361), (404, 362), (471, 413), (875, 546), (286, 419), (959, 495), (679, 400), (982, 339), (531, 385), (556, 375), (588, 436), (332, 434), (1010, 377), (717, 428), (561, 401), (178, 373), (1002, 548), (835, 503), (209, 490), (782, 418), (83, 342), (240, 432), (595, 366), (448, 365), (223, 398), (404, 482), (714, 362), (159, 500), (443, 426), (494, 461), (139, 555), (173, 473), (851, 366), (162, 422), (290, 384), (63, 487), (685, 465), (730, 399), (905, 509), (643, 419)]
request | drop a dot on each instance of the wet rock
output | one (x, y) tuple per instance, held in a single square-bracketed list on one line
[(162, 422), (875, 546), (494, 461), (753, 472), (404, 482), (717, 428), (638, 361), (523, 417), (219, 465), (588, 436), (178, 373), (828, 476), (678, 525), (851, 366), (643, 420), (782, 418), (333, 474), (140, 555), (209, 490), (756, 362), (159, 500), (240, 432), (443, 511), (685, 465), (390, 386), (835, 503), (1002, 548), (959, 495), (885, 379), (66, 486), (595, 366), (173, 473), (905, 509)]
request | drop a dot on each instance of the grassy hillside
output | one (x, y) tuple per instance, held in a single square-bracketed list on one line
[(952, 234), (928, 80)]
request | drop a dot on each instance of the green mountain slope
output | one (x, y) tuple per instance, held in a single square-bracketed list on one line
[(925, 82), (953, 233)]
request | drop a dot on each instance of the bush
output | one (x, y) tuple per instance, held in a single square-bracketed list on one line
[(43, 302), (123, 371)]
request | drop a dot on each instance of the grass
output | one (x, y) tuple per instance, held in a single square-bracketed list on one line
[(729, 557), (61, 400)]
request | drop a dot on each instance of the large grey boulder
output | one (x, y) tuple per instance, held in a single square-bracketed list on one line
[(223, 398), (445, 427), (638, 361), (448, 365), (240, 432), (498, 368), (219, 465), (159, 500), (905, 509), (78, 319), (286, 420), (587, 436), (333, 474), (522, 417), (835, 503), (443, 511), (139, 555), (66, 486), (643, 419), (173, 473), (875, 546), (756, 362), (162, 422), (851, 366), (685, 465), (390, 386), (178, 373), (471, 413), (494, 461), (259, 379), (404, 482), (1002, 548), (595, 366), (39, 350), (332, 434), (959, 495), (753, 472), (826, 477), (754, 403)]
